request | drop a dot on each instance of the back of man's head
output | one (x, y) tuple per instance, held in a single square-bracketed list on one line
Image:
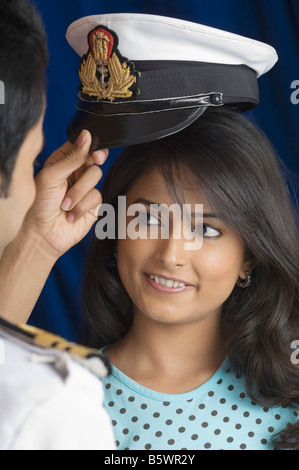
[(23, 59)]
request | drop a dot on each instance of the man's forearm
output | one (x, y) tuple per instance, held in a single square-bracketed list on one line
[(24, 269)]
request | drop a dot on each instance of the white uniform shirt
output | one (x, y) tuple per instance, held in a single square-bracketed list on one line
[(49, 401)]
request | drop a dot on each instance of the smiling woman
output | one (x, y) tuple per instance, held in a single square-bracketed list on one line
[(189, 331), (219, 262)]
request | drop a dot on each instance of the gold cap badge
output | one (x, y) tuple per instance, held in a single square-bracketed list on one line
[(104, 73)]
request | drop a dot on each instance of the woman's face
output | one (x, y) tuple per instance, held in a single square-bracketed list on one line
[(207, 275)]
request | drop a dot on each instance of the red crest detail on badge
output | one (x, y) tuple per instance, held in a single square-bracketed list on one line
[(101, 44)]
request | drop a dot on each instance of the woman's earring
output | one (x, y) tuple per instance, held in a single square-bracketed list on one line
[(245, 282)]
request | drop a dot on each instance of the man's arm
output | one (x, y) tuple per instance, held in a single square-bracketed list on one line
[(24, 269), (65, 186)]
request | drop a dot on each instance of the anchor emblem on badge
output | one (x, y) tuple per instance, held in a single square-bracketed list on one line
[(104, 73)]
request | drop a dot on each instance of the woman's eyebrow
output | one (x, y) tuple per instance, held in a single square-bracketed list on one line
[(144, 201), (210, 215), (147, 202)]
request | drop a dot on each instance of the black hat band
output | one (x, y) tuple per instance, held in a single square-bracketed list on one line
[(177, 80), (149, 106)]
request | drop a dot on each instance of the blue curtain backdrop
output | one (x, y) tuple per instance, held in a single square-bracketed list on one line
[(272, 21)]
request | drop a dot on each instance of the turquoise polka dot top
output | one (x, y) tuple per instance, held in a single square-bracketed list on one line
[(218, 415)]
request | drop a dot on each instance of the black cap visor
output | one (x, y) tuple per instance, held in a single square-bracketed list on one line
[(122, 130)]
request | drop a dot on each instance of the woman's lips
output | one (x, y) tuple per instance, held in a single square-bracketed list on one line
[(176, 287)]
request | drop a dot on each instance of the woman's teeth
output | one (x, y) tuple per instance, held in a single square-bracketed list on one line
[(166, 282)]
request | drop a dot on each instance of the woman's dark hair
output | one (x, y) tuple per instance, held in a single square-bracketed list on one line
[(235, 166), (23, 60)]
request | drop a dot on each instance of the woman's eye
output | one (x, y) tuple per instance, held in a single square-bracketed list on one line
[(207, 231), (211, 232), (146, 218)]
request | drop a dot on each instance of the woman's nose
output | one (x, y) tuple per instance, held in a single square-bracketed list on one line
[(171, 252)]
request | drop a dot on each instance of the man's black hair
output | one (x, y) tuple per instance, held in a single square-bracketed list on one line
[(23, 61)]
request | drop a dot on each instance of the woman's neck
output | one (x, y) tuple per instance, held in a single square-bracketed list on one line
[(170, 358)]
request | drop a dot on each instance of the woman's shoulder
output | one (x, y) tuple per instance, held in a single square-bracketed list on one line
[(253, 412)]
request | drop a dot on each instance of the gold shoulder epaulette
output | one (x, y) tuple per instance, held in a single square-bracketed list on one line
[(90, 358)]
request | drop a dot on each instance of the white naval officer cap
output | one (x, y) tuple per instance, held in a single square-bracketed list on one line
[(144, 77)]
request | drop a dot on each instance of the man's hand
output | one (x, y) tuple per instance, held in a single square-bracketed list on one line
[(62, 214), (66, 199)]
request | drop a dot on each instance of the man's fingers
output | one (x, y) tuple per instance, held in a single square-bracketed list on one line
[(59, 154), (73, 160), (89, 179), (88, 204), (100, 156)]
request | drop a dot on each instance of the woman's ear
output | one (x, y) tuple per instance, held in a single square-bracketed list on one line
[(249, 264)]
